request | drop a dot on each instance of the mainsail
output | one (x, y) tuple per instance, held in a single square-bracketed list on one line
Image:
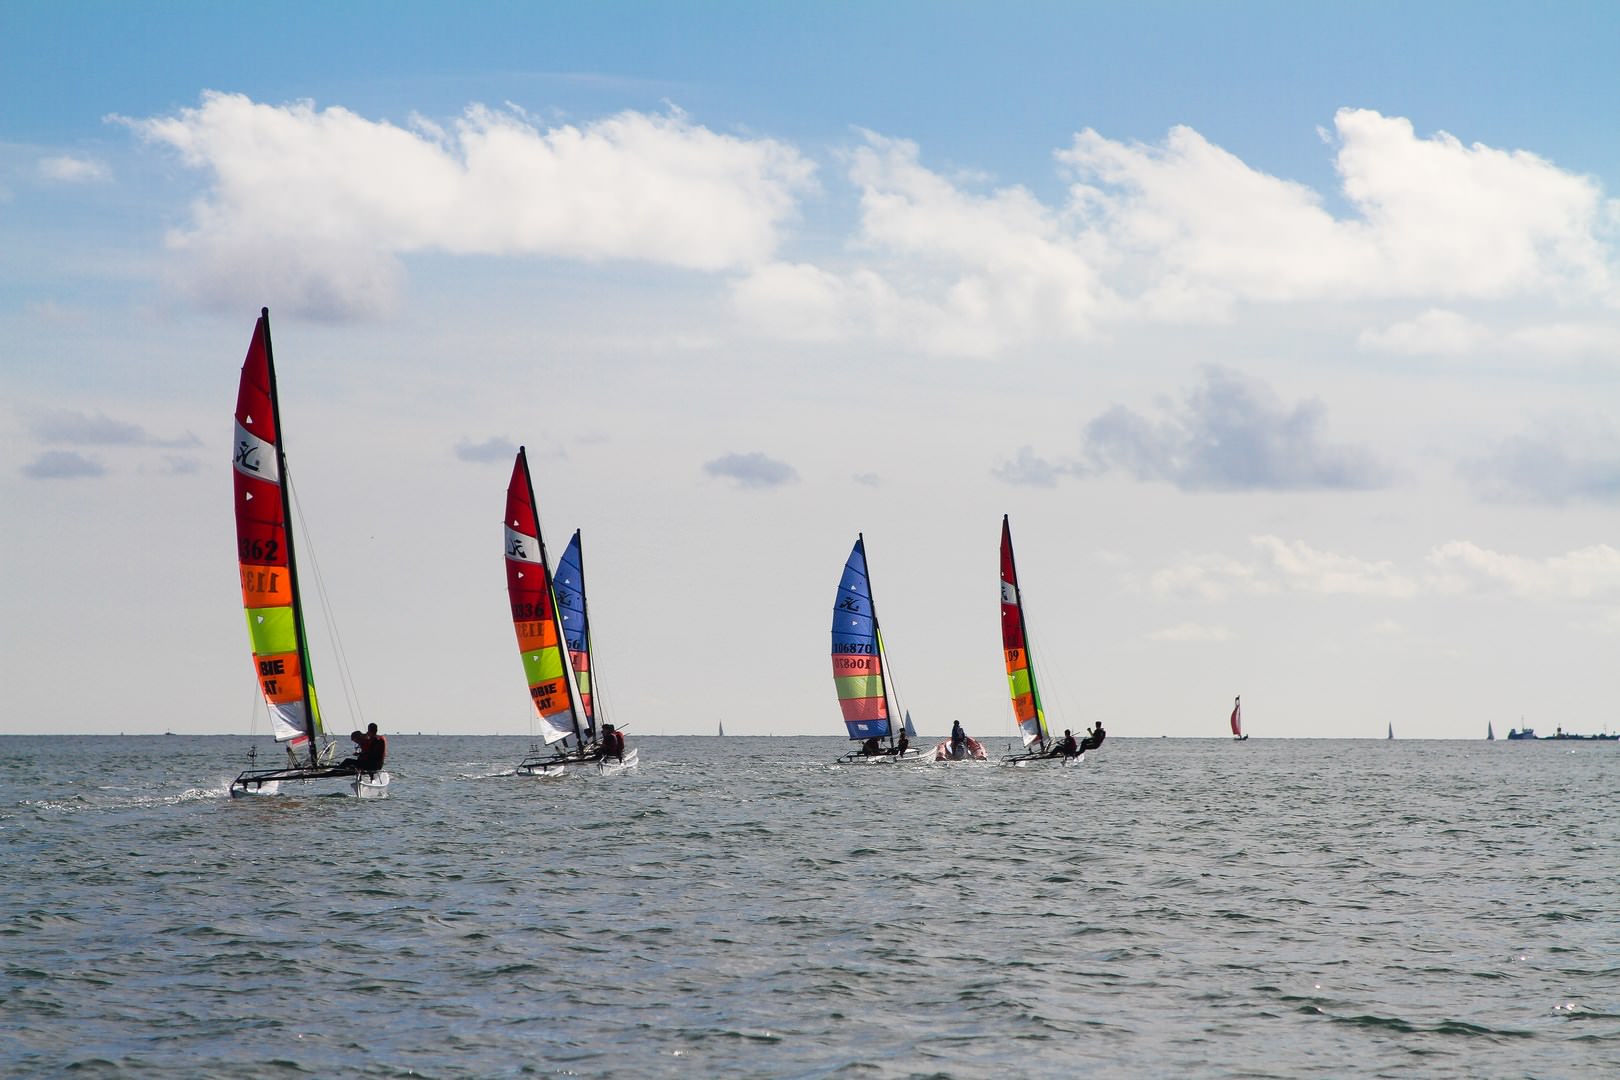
[(275, 614), (1237, 716), (1026, 696), (857, 657), (529, 587), (568, 584)]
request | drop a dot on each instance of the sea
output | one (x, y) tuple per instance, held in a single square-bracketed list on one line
[(742, 907)]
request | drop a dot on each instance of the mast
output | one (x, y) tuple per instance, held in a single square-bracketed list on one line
[(1023, 632), (551, 594), (307, 676), (877, 633)]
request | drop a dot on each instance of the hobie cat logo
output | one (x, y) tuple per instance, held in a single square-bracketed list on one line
[(515, 549), (849, 603), (247, 456)]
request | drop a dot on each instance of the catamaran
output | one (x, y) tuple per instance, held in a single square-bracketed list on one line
[(559, 699), (859, 667), (1237, 719), (568, 586), (270, 593), (1028, 713)]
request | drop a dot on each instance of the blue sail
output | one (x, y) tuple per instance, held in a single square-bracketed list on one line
[(856, 658), (569, 585)]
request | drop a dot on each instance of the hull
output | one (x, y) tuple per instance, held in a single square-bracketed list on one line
[(558, 766), (271, 782), (855, 757), (1037, 757)]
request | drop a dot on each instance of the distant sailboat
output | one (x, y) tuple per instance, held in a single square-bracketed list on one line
[(859, 669), (1490, 734), (722, 727), (270, 592), (1391, 734), (1237, 719)]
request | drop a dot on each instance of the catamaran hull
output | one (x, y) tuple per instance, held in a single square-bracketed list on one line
[(1022, 761), (556, 768), (270, 781), (855, 757)]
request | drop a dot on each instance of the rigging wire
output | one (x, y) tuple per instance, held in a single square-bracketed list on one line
[(345, 681)]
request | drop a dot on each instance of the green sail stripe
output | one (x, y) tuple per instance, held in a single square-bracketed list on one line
[(1019, 683), (271, 630), (858, 686), (542, 665)]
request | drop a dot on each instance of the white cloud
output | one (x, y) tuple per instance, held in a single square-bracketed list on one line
[(752, 470), (1591, 573), (1185, 231), (314, 206), (1436, 332), (1282, 566), (65, 169)]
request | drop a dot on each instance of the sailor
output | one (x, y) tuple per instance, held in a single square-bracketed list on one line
[(1095, 738), (612, 745), (1068, 747), (871, 748), (958, 739), (360, 748), (373, 751), (901, 746)]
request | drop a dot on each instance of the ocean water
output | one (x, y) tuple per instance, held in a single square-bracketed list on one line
[(740, 908)]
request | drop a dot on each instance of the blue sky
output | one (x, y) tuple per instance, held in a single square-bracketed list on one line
[(1286, 333)]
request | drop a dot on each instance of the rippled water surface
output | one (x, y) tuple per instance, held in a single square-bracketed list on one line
[(740, 908)]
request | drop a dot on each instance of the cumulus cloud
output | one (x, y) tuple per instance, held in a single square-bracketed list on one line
[(1279, 566), (752, 470), (1591, 573), (62, 465), (1185, 231), (317, 205), (496, 448), (85, 429), (1439, 332), (1229, 434), (1436, 332), (73, 170)]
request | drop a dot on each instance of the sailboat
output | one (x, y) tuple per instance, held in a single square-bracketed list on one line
[(1237, 719), (1391, 734), (1490, 733), (722, 730), (558, 710), (859, 667), (270, 593), (568, 586), (1021, 686)]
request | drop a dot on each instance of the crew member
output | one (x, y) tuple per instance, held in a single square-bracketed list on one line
[(1095, 739)]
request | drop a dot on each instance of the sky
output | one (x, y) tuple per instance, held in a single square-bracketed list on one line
[(1287, 335)]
